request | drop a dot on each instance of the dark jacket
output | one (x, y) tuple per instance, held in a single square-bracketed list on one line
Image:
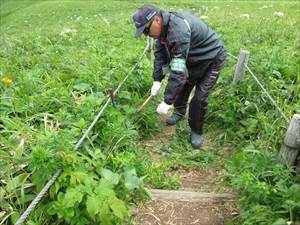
[(185, 42)]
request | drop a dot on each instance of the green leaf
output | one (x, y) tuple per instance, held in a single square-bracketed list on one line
[(82, 87), (105, 214), (229, 222), (14, 217), (93, 206), (125, 95), (77, 177), (250, 124), (251, 149), (16, 182), (131, 179), (71, 197), (54, 189), (294, 192), (279, 222), (118, 207), (81, 221), (104, 193), (106, 183), (51, 208), (109, 175), (2, 194)]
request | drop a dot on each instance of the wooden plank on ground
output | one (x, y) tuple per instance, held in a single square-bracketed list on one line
[(192, 196)]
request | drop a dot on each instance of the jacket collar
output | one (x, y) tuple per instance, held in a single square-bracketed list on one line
[(166, 18)]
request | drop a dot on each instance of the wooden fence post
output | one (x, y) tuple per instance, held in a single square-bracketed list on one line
[(290, 149), (240, 67)]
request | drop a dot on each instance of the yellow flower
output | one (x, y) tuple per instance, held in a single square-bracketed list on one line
[(6, 80)]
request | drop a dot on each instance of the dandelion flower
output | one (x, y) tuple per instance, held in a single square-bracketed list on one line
[(106, 21), (6, 80), (279, 14), (264, 7), (204, 17), (67, 31), (245, 15)]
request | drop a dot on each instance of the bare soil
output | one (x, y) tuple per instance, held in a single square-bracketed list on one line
[(202, 179), (207, 179), (184, 213)]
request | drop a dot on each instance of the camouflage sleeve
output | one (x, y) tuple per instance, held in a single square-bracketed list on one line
[(179, 41)]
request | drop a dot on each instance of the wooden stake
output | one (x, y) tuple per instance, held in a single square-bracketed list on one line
[(290, 149), (240, 67)]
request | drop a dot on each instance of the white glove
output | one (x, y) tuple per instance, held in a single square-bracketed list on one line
[(163, 108), (155, 88)]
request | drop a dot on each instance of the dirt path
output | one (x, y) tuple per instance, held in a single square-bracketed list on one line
[(182, 213), (200, 179)]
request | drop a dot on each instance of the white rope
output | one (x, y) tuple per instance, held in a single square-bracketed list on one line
[(266, 92), (264, 89), (45, 189), (232, 56), (38, 198), (133, 68), (92, 124), (108, 101)]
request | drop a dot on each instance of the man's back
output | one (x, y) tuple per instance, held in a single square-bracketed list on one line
[(204, 44)]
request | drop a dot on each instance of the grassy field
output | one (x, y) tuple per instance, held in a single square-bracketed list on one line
[(59, 58)]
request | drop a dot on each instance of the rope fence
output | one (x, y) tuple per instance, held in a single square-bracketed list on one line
[(232, 56), (267, 93), (261, 86), (45, 189), (289, 153)]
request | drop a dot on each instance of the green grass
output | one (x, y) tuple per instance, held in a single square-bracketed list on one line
[(63, 56)]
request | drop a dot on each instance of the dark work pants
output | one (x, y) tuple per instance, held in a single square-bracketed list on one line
[(208, 77)]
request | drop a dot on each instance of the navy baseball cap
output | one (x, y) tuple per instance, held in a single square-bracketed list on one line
[(142, 17)]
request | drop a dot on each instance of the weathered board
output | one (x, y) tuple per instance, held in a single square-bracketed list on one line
[(191, 196), (240, 67), (290, 148)]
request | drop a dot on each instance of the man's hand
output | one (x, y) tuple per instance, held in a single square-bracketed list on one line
[(163, 108), (155, 88)]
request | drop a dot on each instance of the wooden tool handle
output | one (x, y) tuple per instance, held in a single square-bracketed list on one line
[(145, 103)]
